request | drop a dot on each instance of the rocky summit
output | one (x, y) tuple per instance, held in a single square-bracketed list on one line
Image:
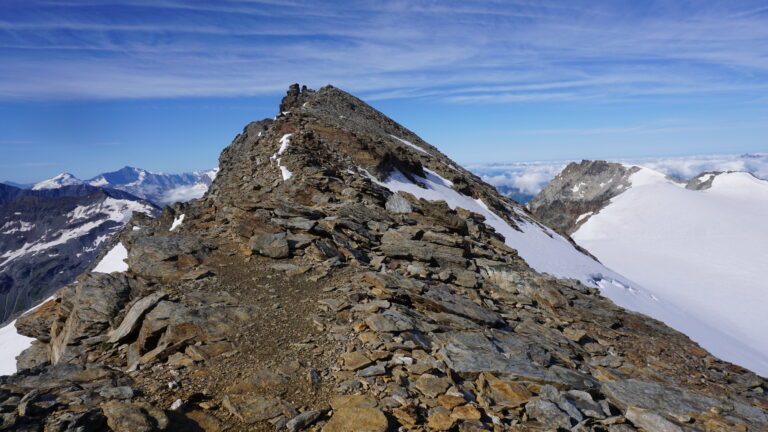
[(301, 293), (581, 188)]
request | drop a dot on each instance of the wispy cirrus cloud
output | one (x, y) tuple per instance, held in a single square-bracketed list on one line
[(458, 51)]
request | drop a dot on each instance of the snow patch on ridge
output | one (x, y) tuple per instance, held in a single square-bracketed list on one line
[(177, 221), (409, 144), (12, 344), (113, 261), (285, 141)]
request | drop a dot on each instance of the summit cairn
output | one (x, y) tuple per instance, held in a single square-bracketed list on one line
[(341, 274)]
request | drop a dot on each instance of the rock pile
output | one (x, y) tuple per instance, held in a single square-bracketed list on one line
[(300, 294)]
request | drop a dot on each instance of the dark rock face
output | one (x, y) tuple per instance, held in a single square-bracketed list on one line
[(49, 237), (579, 189), (317, 300)]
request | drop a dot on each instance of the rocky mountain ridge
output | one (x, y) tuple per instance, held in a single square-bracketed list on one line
[(302, 293)]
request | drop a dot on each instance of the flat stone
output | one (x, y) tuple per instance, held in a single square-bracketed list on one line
[(431, 385), (358, 420), (352, 401), (397, 204), (37, 322), (355, 360), (254, 409), (584, 402), (271, 245), (131, 320), (507, 353), (204, 421), (440, 422), (375, 370), (127, 417), (168, 257), (123, 392), (466, 412), (406, 415), (675, 401), (449, 401), (303, 420), (444, 300), (548, 413), (466, 279), (650, 421), (261, 379), (389, 321), (334, 304), (509, 394), (37, 354)]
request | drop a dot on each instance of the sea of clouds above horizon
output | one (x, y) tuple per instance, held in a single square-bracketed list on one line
[(532, 176)]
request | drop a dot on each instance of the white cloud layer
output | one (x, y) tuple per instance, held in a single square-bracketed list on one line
[(531, 177)]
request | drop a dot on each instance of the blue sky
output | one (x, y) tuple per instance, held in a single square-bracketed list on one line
[(91, 85)]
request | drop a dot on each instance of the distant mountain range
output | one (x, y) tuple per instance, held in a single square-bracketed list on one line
[(50, 231), (158, 188), (521, 181), (49, 236)]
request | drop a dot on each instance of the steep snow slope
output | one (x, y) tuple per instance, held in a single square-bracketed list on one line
[(542, 248), (702, 251)]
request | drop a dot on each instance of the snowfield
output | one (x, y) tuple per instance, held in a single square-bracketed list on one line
[(704, 253)]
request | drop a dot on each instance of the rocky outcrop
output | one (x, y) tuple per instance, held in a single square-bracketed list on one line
[(321, 301), (580, 190)]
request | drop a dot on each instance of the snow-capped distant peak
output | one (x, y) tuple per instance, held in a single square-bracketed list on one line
[(63, 179)]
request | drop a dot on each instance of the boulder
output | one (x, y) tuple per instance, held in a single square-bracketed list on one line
[(37, 323), (396, 203), (168, 257), (270, 245), (128, 417)]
